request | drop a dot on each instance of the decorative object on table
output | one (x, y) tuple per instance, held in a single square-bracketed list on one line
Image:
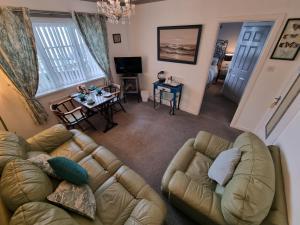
[(99, 91), (79, 199), (90, 99), (92, 88), (3, 125), (70, 115), (82, 89), (117, 38), (116, 10), (178, 44), (69, 170), (170, 93), (288, 44), (161, 76), (82, 97)]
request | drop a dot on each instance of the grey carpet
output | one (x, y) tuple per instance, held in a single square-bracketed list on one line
[(146, 140)]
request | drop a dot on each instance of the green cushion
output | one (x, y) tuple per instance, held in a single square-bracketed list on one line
[(23, 182), (248, 196), (11, 146), (40, 213), (69, 170)]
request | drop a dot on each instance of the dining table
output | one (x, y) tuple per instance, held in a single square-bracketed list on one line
[(98, 102)]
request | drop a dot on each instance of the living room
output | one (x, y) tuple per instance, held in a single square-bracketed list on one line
[(146, 139)]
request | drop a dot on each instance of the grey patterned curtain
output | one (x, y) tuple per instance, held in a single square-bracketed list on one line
[(18, 57), (94, 32)]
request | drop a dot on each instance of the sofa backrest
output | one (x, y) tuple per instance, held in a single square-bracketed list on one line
[(248, 196)]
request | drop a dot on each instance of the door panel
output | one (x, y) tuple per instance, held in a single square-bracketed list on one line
[(250, 44)]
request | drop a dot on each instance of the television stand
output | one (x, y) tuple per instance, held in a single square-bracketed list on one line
[(130, 86)]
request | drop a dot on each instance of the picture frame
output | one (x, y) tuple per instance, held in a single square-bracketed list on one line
[(288, 44), (179, 44), (117, 38)]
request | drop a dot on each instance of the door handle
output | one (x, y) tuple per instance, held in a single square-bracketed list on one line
[(276, 101)]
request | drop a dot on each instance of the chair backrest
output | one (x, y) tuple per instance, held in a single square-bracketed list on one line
[(62, 108)]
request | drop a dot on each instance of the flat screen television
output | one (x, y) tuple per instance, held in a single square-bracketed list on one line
[(128, 65)]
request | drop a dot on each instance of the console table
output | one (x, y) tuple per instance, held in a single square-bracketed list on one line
[(176, 92)]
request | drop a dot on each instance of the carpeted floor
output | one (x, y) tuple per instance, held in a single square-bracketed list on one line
[(146, 140)]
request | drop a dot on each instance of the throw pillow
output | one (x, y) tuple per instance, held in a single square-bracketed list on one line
[(69, 170), (224, 165), (41, 161), (79, 199)]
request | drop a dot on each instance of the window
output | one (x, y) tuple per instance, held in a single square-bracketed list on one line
[(63, 57)]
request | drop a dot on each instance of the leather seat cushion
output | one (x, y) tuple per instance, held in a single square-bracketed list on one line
[(50, 139), (125, 198), (40, 213), (11, 146), (23, 182), (79, 146), (252, 181)]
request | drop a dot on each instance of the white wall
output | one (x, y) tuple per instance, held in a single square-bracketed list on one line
[(230, 32), (12, 107), (289, 143), (210, 13)]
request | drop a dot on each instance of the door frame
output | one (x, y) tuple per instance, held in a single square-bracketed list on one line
[(278, 19)]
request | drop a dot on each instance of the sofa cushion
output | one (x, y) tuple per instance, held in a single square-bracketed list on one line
[(125, 198), (248, 196), (50, 139), (23, 182), (69, 170), (40, 213), (79, 199), (11, 146), (224, 165)]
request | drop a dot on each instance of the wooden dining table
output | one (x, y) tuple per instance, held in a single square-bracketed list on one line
[(101, 104)]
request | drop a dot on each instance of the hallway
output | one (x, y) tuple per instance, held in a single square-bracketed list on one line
[(216, 106)]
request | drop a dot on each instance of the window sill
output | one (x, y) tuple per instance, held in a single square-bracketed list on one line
[(67, 87)]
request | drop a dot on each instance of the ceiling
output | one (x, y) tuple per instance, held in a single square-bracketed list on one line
[(137, 2)]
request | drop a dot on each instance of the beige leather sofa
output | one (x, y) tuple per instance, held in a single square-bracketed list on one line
[(122, 196), (255, 194)]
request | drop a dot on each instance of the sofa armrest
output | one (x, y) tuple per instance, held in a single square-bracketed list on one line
[(49, 139), (180, 162), (192, 197), (210, 144)]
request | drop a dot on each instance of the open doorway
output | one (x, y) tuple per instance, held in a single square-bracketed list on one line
[(237, 51)]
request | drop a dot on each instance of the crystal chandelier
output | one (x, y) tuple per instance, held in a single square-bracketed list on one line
[(116, 10)]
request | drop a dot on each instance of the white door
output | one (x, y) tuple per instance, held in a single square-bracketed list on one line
[(250, 44)]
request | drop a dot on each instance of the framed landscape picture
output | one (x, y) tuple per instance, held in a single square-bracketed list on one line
[(178, 44), (288, 44)]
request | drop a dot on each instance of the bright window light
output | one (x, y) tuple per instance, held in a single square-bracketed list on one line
[(63, 57)]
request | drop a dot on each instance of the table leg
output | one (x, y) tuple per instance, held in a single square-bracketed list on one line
[(174, 103), (154, 98), (179, 99), (108, 115)]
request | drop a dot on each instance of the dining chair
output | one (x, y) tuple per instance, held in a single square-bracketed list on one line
[(115, 90), (70, 115)]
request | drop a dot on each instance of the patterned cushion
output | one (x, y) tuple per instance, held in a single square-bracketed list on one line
[(41, 161), (79, 199), (69, 170)]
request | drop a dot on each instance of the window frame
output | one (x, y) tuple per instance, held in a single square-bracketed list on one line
[(88, 77)]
